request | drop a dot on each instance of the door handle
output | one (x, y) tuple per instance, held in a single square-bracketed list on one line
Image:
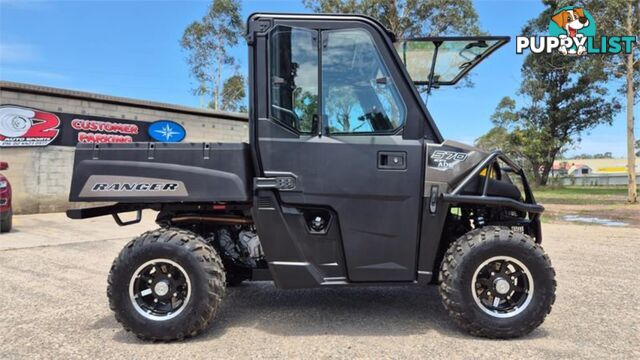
[(392, 160)]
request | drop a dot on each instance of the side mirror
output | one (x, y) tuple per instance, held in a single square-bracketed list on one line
[(4, 165)]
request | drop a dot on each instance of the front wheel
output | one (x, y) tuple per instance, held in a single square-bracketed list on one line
[(6, 223), (166, 284), (497, 283)]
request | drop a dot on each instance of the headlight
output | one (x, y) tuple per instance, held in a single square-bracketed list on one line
[(3, 184)]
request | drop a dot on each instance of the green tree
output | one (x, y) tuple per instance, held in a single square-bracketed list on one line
[(499, 137), (208, 42), (622, 17), (233, 93), (606, 155), (409, 18), (563, 96)]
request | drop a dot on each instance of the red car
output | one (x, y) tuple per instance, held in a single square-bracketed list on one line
[(6, 214)]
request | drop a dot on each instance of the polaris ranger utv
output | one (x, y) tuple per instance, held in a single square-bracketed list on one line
[(346, 181)]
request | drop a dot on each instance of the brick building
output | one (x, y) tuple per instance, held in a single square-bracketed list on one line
[(40, 174)]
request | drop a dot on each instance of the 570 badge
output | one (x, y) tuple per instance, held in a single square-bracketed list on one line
[(20, 126), (445, 159)]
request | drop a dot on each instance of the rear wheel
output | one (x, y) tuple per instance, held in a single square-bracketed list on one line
[(497, 283), (167, 284)]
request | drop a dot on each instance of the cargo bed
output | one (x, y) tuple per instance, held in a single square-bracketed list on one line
[(162, 172)]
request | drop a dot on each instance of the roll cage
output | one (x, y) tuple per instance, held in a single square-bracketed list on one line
[(529, 210)]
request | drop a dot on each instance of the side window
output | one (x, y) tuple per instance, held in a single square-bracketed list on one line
[(294, 78), (358, 94)]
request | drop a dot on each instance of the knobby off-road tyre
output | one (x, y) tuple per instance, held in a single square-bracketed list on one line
[(166, 284), (497, 263)]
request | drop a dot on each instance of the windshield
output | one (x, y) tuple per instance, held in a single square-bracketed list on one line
[(454, 57)]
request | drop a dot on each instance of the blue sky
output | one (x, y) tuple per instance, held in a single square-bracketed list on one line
[(131, 49)]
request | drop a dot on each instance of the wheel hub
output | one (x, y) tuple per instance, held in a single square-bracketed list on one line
[(161, 288), (501, 285)]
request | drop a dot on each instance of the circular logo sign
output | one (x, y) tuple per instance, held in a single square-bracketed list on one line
[(166, 131), (27, 127)]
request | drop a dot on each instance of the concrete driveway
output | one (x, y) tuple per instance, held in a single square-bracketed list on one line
[(54, 305)]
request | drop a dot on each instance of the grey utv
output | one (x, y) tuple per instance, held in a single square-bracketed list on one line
[(346, 181)]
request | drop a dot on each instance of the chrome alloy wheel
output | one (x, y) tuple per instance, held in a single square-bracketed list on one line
[(159, 289), (502, 287)]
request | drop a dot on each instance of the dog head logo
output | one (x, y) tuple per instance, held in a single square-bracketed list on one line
[(572, 25), (21, 126), (571, 20)]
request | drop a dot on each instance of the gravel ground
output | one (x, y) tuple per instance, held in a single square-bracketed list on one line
[(54, 305)]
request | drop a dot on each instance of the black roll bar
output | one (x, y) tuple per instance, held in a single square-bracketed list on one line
[(529, 205)]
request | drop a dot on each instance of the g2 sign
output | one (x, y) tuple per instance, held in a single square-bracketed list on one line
[(166, 131), (21, 126)]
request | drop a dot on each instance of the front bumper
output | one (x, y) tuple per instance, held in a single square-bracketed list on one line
[(529, 209)]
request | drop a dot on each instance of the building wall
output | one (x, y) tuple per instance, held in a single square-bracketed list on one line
[(40, 177), (596, 180), (601, 165)]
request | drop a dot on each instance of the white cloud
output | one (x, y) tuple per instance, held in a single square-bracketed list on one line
[(14, 52), (9, 73), (25, 4)]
